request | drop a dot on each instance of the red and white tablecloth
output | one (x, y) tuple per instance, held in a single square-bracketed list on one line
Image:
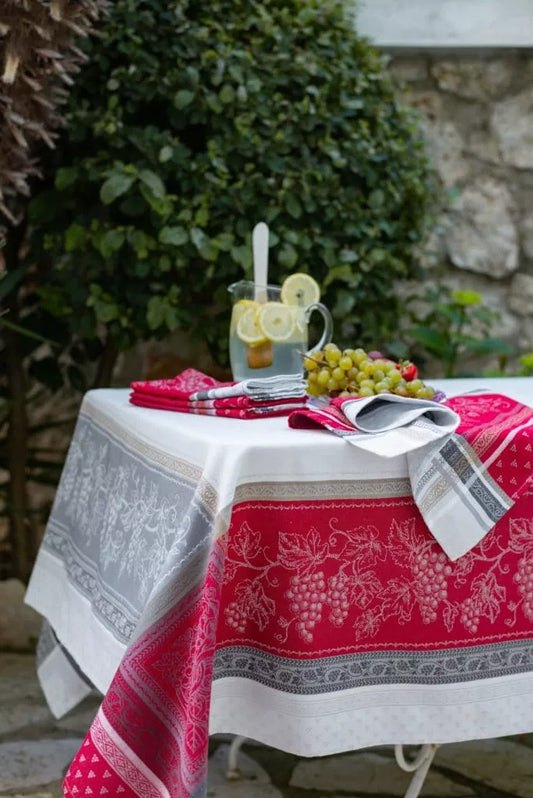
[(216, 575)]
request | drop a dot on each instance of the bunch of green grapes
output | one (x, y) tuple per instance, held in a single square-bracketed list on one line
[(354, 372)]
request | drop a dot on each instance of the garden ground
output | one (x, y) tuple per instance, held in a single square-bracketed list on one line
[(35, 750)]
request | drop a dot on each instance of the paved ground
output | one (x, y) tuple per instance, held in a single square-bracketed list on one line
[(35, 750)]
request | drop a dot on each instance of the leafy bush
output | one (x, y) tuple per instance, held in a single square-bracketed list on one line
[(452, 326), (194, 120)]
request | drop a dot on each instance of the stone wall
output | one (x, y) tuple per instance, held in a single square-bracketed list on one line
[(477, 113)]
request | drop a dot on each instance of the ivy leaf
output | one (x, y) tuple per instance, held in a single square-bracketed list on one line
[(288, 256), (153, 182), (111, 242), (227, 94), (183, 98), (115, 186), (75, 237), (376, 199), (175, 236), (344, 304), (65, 177), (243, 256), (202, 243), (165, 154), (293, 206)]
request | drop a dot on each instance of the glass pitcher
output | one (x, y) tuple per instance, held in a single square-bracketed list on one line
[(267, 341)]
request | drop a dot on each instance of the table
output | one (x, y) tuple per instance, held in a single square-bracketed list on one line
[(216, 575)]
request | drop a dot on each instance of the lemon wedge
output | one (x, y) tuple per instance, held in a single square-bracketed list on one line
[(248, 329), (276, 321), (300, 289)]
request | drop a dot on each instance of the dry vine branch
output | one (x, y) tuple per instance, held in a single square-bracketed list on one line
[(38, 59)]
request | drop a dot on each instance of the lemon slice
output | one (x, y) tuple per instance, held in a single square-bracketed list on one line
[(276, 321), (241, 307), (300, 289), (248, 329), (298, 315)]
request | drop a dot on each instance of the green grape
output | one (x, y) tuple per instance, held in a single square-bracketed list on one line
[(401, 389), (345, 363), (358, 356), (332, 353), (368, 367), (394, 376), (414, 386), (354, 373), (379, 363), (323, 376), (390, 366), (427, 392)]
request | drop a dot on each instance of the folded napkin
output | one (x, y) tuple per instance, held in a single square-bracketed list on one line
[(284, 386), (464, 476), (220, 407), (195, 392), (386, 424)]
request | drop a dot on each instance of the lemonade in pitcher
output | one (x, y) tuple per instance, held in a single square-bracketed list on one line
[(269, 326)]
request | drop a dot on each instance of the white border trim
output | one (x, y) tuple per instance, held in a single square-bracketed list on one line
[(71, 616), (366, 716)]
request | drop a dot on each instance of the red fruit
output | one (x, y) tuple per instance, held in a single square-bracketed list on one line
[(408, 371)]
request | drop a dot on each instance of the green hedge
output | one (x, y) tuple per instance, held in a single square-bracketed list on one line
[(193, 121)]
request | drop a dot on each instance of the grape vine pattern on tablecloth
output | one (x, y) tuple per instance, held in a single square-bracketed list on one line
[(332, 578)]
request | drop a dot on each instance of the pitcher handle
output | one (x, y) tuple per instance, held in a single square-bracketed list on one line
[(328, 324)]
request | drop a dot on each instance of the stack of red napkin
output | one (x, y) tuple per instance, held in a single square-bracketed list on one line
[(195, 392)]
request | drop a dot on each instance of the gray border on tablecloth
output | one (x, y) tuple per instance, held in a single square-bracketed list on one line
[(347, 671), (120, 612)]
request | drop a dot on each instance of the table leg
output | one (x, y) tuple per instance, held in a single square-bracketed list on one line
[(420, 766), (233, 773)]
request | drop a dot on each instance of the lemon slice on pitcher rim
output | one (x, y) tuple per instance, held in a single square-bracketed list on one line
[(276, 321), (300, 289), (248, 329)]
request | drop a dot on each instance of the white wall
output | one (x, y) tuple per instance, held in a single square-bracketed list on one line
[(446, 23)]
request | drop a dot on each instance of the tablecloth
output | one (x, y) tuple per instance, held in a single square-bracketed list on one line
[(214, 575)]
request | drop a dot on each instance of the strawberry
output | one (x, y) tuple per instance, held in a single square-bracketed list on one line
[(408, 370)]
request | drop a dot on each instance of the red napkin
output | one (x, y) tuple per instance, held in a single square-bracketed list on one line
[(174, 394)]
